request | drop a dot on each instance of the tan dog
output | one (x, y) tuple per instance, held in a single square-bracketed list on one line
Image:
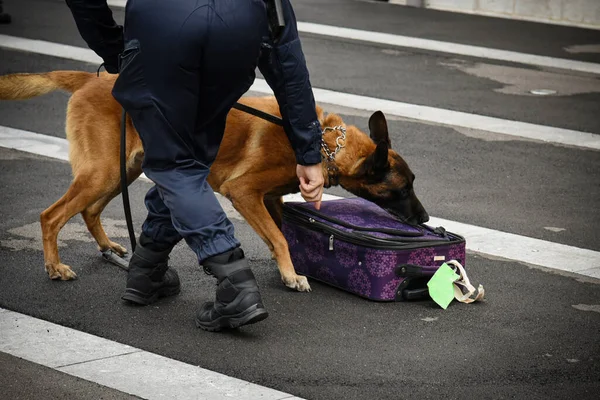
[(255, 165)]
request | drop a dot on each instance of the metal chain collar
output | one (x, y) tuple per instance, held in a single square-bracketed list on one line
[(338, 145)]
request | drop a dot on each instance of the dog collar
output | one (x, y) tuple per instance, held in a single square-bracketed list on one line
[(333, 175), (338, 146)]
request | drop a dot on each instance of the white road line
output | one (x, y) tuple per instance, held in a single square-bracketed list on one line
[(451, 118), (449, 47), (406, 110), (524, 249), (437, 46), (34, 143), (117, 3), (480, 240), (118, 366), (49, 49)]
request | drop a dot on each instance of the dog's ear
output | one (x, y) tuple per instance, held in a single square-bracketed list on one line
[(378, 128), (378, 160)]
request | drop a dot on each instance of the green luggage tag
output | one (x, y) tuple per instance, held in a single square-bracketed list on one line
[(441, 288)]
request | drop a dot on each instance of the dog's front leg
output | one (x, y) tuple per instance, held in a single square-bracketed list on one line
[(250, 204), (274, 205)]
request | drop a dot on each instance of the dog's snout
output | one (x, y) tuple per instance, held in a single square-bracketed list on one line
[(418, 218)]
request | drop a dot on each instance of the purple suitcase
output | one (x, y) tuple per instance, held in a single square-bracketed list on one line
[(357, 246)]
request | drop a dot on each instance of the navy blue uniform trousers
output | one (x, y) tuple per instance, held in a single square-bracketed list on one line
[(185, 63)]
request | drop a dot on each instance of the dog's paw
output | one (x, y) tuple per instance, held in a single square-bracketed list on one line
[(60, 271), (117, 248), (299, 283)]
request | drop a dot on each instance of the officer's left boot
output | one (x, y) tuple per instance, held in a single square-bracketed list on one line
[(149, 276), (238, 301)]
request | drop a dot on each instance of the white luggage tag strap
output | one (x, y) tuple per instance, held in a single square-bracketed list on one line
[(463, 290)]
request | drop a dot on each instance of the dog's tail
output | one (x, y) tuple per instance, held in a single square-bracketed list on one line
[(26, 86)]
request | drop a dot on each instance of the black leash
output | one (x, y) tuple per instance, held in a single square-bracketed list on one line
[(124, 191), (257, 113)]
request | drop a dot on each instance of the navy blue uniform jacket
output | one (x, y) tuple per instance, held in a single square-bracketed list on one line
[(282, 64)]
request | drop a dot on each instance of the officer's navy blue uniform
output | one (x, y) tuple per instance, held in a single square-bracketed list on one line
[(185, 63)]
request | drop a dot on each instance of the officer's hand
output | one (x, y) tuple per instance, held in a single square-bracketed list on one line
[(311, 183)]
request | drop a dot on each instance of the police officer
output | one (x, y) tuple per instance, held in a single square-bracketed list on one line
[(182, 65)]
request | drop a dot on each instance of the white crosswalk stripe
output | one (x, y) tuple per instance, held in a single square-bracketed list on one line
[(118, 366)]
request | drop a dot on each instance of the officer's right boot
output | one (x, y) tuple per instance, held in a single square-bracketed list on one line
[(149, 276), (238, 301)]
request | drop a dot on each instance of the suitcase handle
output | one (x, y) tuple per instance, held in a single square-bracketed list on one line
[(415, 294), (415, 271), (413, 288)]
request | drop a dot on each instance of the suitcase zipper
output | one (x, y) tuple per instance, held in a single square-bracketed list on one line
[(312, 221), (362, 239), (420, 231)]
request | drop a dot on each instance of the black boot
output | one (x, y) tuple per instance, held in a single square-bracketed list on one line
[(150, 277), (238, 300)]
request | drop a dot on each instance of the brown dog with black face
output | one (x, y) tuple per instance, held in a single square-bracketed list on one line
[(255, 165)]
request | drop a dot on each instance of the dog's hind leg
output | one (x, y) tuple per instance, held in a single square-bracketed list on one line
[(91, 216), (82, 192)]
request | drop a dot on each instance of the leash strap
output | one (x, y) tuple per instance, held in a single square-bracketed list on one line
[(257, 113), (124, 190)]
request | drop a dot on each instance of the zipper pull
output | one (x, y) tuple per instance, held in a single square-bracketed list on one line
[(331, 242)]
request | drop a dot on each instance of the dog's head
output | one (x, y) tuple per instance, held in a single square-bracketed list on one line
[(384, 178)]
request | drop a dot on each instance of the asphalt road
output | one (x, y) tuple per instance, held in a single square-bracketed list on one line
[(531, 338)]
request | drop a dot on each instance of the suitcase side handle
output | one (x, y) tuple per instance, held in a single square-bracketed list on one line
[(412, 288), (415, 271), (415, 294)]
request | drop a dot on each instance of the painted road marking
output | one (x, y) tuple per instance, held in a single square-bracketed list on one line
[(405, 110), (452, 118), (437, 46), (118, 366), (480, 240), (448, 47), (50, 49), (34, 143)]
